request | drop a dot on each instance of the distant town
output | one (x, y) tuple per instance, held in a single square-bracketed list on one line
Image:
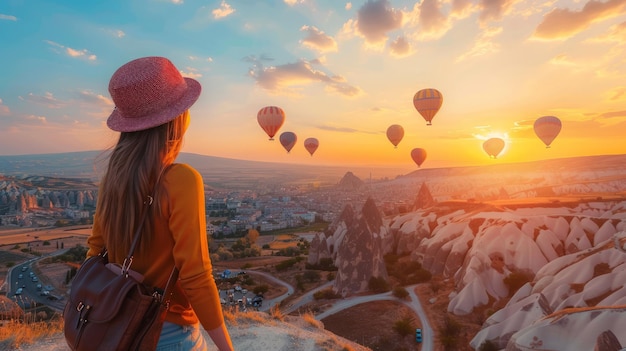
[(28, 204)]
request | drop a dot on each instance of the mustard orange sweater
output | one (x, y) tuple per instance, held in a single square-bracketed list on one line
[(180, 238)]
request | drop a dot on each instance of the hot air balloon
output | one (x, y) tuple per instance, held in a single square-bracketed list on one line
[(288, 140), (547, 128), (427, 102), (418, 155), (395, 133), (271, 118), (311, 145), (493, 147)]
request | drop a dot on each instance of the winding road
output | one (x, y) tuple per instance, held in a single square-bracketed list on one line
[(413, 303)]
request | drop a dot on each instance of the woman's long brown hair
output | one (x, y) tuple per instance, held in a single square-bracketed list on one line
[(134, 168)]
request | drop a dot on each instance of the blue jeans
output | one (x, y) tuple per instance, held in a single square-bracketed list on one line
[(176, 337)]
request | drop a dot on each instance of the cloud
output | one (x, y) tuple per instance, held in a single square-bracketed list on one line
[(118, 33), (562, 23), (617, 94), (375, 19), (7, 17), (348, 5), (191, 73), (36, 119), (293, 2), (613, 114), (284, 79), (483, 45), (344, 129), (177, 2), (318, 40), (196, 58), (616, 34), (76, 53), (48, 100), (433, 23), (4, 109), (92, 98), (400, 47), (494, 10), (224, 10)]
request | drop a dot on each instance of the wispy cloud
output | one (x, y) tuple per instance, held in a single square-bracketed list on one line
[(4, 109), (47, 99), (118, 33), (483, 45), (318, 40), (617, 94), (288, 78), (433, 23), (95, 99), (344, 129), (191, 73), (76, 53), (563, 23), (613, 114), (293, 2), (224, 10), (7, 17)]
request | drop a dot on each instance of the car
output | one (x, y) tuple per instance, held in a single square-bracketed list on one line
[(39, 286), (418, 335), (237, 288), (35, 279), (24, 268), (20, 276), (44, 293), (244, 291), (18, 291)]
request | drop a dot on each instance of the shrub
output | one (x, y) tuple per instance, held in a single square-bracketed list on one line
[(488, 346), (404, 326), (516, 280), (260, 289), (326, 294), (378, 285), (400, 292)]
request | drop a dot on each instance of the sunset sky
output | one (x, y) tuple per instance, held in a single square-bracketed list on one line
[(342, 71)]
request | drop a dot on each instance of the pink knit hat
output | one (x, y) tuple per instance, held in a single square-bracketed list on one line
[(149, 92)]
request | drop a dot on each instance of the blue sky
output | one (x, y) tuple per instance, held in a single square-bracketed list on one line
[(342, 72)]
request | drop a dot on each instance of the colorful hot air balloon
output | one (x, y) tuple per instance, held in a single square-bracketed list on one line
[(288, 140), (395, 133), (547, 128), (271, 118), (427, 102), (493, 147), (418, 155), (311, 145)]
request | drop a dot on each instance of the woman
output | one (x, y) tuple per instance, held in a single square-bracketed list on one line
[(152, 102)]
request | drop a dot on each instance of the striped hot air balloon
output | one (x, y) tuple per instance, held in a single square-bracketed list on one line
[(271, 118), (428, 102)]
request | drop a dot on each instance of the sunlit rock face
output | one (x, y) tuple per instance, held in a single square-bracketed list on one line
[(569, 255), (574, 329), (357, 243)]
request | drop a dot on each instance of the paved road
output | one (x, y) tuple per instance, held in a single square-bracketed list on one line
[(414, 304), (267, 304)]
